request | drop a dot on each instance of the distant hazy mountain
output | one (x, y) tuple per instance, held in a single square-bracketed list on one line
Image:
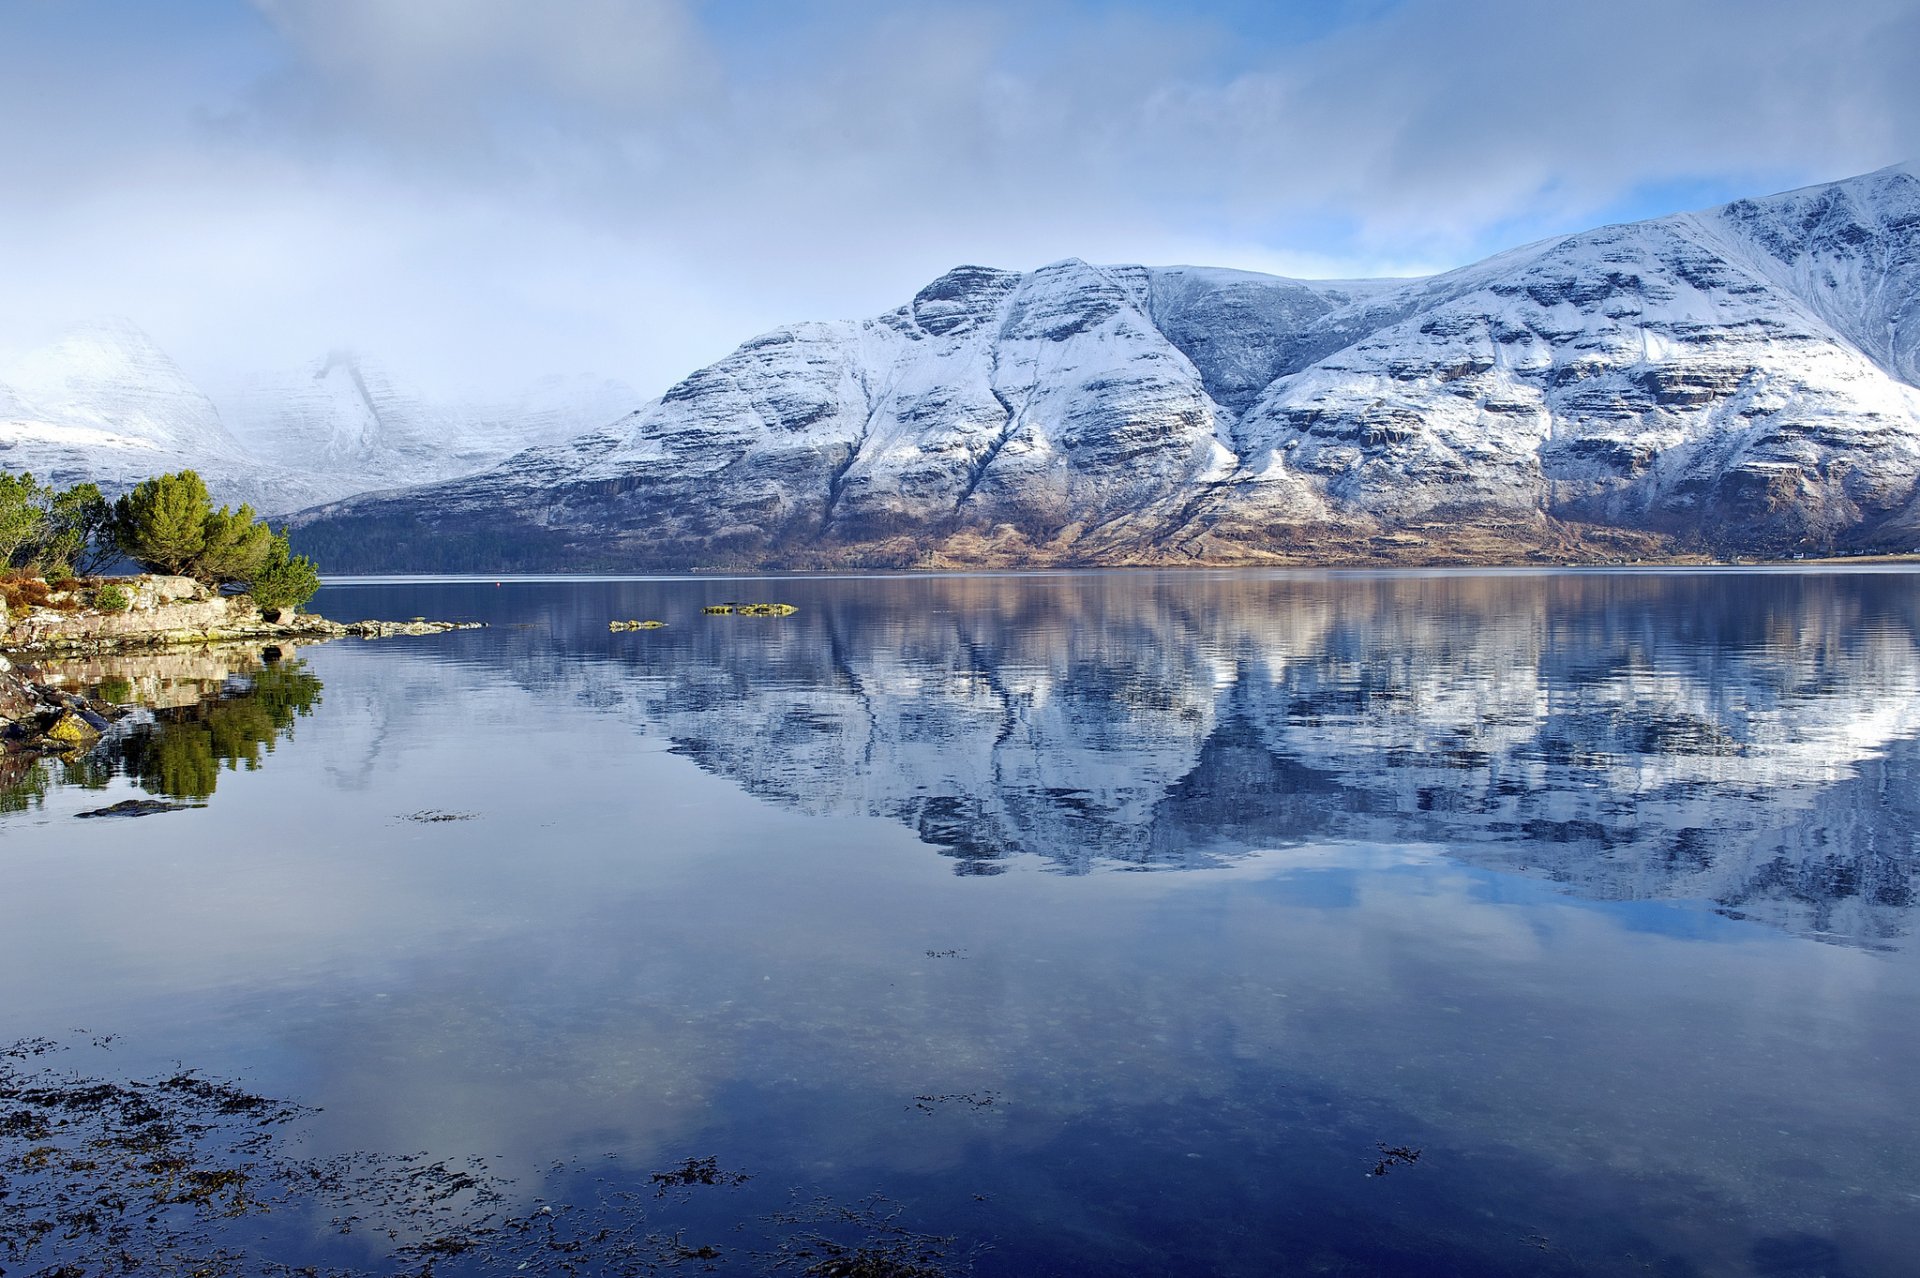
[(106, 404), (1741, 379), (348, 419)]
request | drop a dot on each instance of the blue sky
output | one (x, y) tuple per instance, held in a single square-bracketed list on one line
[(479, 192)]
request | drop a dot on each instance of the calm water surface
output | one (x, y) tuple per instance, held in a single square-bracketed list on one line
[(1105, 924)]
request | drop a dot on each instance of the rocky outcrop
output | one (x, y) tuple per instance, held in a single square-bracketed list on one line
[(39, 720), (166, 611), (1738, 381)]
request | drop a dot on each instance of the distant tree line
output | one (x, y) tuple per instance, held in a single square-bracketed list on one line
[(166, 524)]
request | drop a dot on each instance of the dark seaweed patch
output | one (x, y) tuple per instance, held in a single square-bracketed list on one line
[(830, 1239), (972, 1100), (138, 808), (695, 1171), (105, 1177), (1392, 1156)]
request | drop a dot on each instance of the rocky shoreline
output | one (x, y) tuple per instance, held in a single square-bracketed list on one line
[(157, 611), (38, 719), (48, 622)]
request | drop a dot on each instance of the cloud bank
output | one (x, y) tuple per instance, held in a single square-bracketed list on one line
[(482, 191)]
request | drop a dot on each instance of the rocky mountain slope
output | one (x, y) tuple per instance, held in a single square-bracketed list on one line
[(1739, 380), (106, 404)]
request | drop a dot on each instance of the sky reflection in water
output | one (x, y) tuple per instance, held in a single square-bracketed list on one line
[(1596, 889)]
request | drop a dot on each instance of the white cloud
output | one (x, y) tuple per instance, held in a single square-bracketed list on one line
[(492, 189)]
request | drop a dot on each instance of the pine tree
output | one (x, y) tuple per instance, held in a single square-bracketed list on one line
[(77, 538), (21, 516), (284, 580), (236, 546), (162, 523)]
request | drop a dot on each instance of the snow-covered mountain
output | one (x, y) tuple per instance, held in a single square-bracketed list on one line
[(348, 418), (106, 404), (1741, 379)]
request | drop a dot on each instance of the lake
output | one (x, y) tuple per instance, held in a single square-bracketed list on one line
[(1120, 923)]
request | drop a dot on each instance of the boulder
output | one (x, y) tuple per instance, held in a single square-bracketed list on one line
[(72, 730), (17, 702), (155, 589)]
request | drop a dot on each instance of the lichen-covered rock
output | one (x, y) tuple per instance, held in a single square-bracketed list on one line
[(17, 702), (156, 589), (71, 730)]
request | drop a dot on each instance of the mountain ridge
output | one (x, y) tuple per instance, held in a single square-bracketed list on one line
[(1738, 380)]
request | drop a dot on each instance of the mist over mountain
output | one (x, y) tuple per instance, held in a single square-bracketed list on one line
[(106, 403), (352, 420)]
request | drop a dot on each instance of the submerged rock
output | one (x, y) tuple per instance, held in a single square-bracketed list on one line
[(385, 629), (137, 808), (73, 731)]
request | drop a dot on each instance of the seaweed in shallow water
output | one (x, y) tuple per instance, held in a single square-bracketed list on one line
[(106, 1177)]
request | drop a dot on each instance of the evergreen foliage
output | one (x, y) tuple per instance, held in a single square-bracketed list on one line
[(20, 515), (78, 534), (235, 546), (166, 524), (53, 532), (283, 579), (162, 523), (169, 524)]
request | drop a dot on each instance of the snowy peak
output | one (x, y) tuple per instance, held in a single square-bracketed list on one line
[(111, 376), (1850, 251), (342, 414), (1062, 300), (354, 420), (963, 300), (1242, 330)]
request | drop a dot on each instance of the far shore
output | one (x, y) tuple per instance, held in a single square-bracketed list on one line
[(755, 572)]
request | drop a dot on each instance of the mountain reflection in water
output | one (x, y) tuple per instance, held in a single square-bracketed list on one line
[(1741, 738)]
